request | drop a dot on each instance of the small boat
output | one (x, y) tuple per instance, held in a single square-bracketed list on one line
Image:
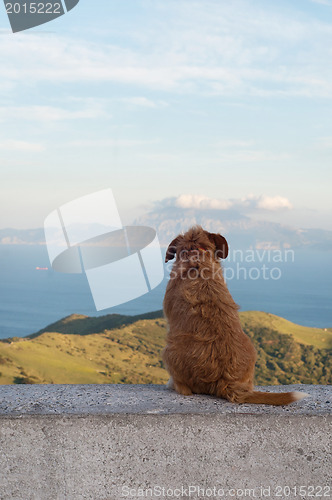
[(41, 268)]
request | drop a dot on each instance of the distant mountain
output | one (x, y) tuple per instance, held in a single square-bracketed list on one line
[(241, 231), (9, 236), (127, 349), (84, 325)]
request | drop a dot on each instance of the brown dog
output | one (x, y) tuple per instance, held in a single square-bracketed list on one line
[(207, 351)]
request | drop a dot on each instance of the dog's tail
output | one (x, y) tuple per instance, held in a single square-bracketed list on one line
[(271, 398)]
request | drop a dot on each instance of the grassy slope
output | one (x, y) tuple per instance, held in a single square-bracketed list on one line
[(66, 352), (125, 354), (84, 325), (302, 334)]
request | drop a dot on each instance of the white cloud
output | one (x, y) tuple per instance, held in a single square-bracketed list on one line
[(234, 143), (248, 203), (104, 143), (198, 47), (13, 145), (201, 202), (322, 2), (324, 142), (251, 156), (244, 151), (143, 102), (272, 203), (48, 113)]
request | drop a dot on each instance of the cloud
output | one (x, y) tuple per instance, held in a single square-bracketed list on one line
[(143, 102), (322, 2), (248, 203), (272, 203), (12, 145), (223, 152), (324, 142), (105, 143), (49, 113), (244, 151), (251, 156), (201, 202), (201, 47), (234, 143)]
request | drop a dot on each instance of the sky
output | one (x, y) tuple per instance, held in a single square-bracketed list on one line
[(209, 102)]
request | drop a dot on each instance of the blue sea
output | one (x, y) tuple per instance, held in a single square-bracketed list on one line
[(298, 289)]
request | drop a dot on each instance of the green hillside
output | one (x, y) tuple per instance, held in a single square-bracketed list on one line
[(317, 337), (127, 354), (127, 349), (84, 325)]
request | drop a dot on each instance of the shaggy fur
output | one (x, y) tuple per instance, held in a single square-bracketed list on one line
[(207, 351)]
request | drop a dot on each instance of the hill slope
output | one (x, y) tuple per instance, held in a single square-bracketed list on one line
[(84, 325), (317, 337), (128, 354), (76, 324), (127, 349)]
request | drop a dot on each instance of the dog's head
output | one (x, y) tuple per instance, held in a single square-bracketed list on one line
[(197, 240)]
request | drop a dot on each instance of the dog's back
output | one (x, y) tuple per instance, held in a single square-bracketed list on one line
[(207, 350)]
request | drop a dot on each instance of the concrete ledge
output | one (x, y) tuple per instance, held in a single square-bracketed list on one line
[(121, 441)]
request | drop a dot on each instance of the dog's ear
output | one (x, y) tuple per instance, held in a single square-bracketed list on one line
[(221, 245), (171, 250)]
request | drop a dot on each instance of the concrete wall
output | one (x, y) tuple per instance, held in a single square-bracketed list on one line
[(116, 441)]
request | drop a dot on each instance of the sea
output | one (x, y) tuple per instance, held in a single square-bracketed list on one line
[(296, 286)]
